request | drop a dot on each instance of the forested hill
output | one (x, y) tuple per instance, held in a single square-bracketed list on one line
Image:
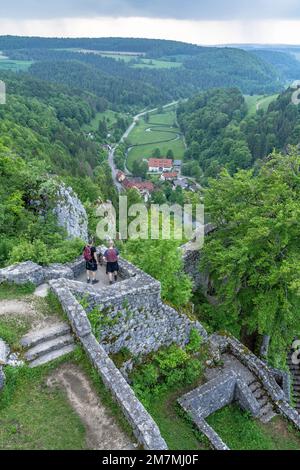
[(153, 72), (41, 145), (220, 133), (120, 92), (151, 47), (285, 63), (42, 122)]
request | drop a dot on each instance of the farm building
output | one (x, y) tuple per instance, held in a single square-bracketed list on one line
[(158, 165)]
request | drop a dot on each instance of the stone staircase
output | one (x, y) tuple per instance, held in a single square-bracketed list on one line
[(47, 344), (266, 412), (295, 375)]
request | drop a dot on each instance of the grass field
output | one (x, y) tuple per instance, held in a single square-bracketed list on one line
[(15, 65), (110, 116), (240, 432), (127, 57), (178, 432), (34, 417), (157, 64), (163, 134), (256, 102)]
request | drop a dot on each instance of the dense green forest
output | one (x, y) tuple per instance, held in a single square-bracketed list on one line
[(284, 62), (253, 256), (153, 47), (219, 133), (41, 143), (123, 84)]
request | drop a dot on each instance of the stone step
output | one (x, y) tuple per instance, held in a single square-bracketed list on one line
[(48, 346), (45, 334), (262, 401), (259, 393), (268, 417), (266, 413), (52, 355), (254, 386), (294, 367)]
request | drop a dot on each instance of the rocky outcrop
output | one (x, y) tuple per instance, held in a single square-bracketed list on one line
[(2, 378), (70, 213), (4, 352)]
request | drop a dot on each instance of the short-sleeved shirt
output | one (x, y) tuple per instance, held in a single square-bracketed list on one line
[(92, 264), (111, 255), (93, 251)]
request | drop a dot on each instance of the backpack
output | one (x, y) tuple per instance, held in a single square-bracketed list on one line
[(111, 255), (87, 254)]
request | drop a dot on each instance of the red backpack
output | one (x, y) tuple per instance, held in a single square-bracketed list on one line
[(87, 254), (111, 255)]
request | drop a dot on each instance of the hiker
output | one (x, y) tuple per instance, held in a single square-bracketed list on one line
[(90, 256), (112, 256)]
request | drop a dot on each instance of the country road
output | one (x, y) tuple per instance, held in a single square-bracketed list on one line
[(125, 136)]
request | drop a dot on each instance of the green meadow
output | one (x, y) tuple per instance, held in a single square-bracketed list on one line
[(160, 132)]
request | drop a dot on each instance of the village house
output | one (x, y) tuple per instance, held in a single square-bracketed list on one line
[(181, 183), (145, 188), (159, 165), (169, 176), (121, 176)]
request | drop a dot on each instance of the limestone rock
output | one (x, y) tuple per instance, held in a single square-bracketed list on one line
[(2, 379), (71, 214), (13, 360), (4, 352)]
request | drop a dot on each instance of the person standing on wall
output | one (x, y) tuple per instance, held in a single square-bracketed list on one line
[(91, 260), (111, 256)]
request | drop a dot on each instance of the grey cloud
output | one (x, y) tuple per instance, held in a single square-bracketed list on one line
[(179, 9)]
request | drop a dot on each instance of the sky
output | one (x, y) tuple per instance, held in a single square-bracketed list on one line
[(195, 21)]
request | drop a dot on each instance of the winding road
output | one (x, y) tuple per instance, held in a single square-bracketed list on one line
[(111, 154)]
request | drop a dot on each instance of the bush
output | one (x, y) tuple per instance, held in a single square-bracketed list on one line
[(195, 341), (167, 369), (41, 253)]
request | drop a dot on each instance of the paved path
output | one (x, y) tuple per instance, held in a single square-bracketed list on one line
[(101, 277)]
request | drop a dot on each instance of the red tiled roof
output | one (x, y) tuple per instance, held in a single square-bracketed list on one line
[(170, 175), (144, 185), (160, 163)]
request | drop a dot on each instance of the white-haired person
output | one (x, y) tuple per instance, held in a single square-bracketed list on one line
[(111, 256)]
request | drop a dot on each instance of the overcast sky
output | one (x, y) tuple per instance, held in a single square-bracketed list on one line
[(197, 21)]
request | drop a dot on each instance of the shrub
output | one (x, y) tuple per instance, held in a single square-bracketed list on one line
[(41, 253), (167, 369), (195, 341)]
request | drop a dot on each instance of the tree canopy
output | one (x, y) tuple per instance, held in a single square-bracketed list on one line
[(253, 256)]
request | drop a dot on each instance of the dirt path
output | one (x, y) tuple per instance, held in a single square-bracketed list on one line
[(27, 310), (102, 432), (17, 307)]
